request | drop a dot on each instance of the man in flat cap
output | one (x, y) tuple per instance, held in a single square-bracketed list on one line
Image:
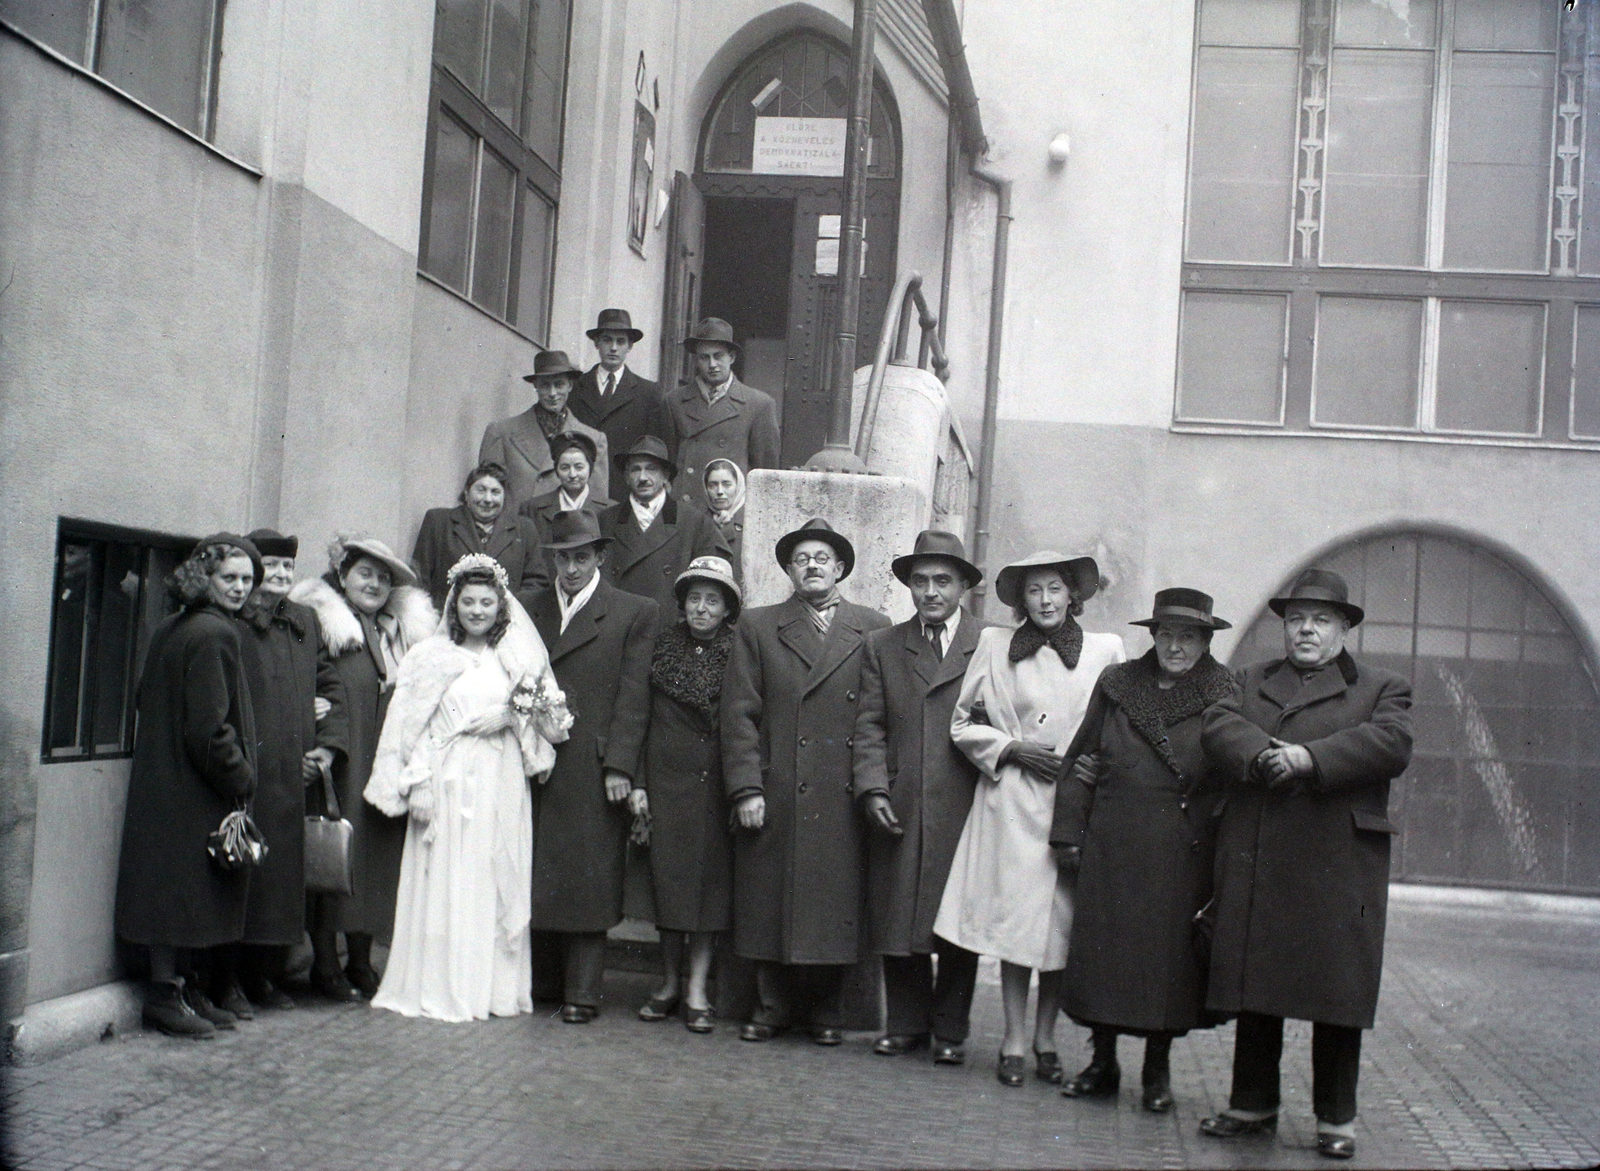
[(521, 444), (714, 414), (1302, 874), (612, 398)]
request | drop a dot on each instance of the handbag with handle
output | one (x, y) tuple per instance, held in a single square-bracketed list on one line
[(328, 844)]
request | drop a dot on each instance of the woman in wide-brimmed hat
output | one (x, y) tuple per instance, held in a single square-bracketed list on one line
[(1025, 693), (1135, 803)]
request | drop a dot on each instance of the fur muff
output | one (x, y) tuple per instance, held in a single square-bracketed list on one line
[(341, 629)]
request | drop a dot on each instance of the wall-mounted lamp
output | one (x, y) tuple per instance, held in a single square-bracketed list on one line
[(1060, 148)]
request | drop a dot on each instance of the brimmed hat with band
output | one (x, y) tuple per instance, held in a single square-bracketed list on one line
[(272, 543), (339, 552), (614, 321), (651, 447), (712, 569), (1079, 571), (712, 329), (1322, 586), (574, 529), (936, 543), (1182, 607), (817, 529), (548, 363)]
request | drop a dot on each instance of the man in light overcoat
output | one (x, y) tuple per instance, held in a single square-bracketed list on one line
[(715, 415), (915, 789), (1302, 873), (521, 444), (788, 716)]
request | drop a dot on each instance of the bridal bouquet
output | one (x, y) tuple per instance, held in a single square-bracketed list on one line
[(545, 705)]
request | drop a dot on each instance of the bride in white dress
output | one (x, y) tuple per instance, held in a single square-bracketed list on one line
[(474, 715)]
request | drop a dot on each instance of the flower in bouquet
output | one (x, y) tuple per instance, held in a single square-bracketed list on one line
[(546, 705)]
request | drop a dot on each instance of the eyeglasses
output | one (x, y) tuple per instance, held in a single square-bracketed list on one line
[(820, 560)]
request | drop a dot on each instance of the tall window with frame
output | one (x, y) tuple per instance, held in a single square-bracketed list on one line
[(493, 174), (1387, 228)]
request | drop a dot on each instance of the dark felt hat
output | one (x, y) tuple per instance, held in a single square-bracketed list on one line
[(550, 362), (1081, 571), (272, 543), (614, 321), (1324, 586), (238, 542), (712, 329), (575, 528), (647, 445), (1183, 607), (936, 543), (817, 529), (562, 440), (716, 570)]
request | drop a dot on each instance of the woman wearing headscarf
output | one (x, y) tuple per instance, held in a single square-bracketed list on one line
[(192, 766), (1137, 808), (371, 613), (474, 714), (479, 523), (1025, 693), (724, 485), (691, 849)]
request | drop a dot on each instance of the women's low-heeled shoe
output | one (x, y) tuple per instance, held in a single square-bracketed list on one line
[(1047, 1067), (1336, 1146), (1158, 1099), (755, 1031), (1096, 1081), (658, 1008), (1227, 1126), (1012, 1071), (828, 1036), (578, 1014), (699, 1020)]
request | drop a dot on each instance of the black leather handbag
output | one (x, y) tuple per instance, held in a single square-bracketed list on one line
[(328, 844)]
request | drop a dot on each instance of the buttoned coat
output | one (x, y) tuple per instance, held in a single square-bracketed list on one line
[(788, 724), (742, 426), (519, 445), (602, 662), (634, 409), (1302, 875), (648, 563), (903, 751), (448, 534)]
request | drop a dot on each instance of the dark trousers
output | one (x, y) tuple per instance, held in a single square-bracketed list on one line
[(1335, 1063), (920, 1002), (799, 993), (569, 966)]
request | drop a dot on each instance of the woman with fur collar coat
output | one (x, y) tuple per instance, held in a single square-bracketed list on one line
[(371, 613)]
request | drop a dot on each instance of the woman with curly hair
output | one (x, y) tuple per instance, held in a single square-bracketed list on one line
[(192, 766), (473, 718), (479, 523)]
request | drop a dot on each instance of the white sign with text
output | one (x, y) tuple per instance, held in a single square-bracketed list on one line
[(799, 146)]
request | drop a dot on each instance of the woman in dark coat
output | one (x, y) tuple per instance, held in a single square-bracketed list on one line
[(192, 766), (724, 485), (479, 523), (370, 612), (574, 454), (691, 851), (1147, 793)]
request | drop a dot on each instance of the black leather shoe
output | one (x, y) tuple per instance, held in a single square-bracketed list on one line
[(754, 1031), (364, 977), (1158, 1098), (1047, 1067), (1227, 1126), (220, 1018), (335, 987), (1096, 1081), (233, 1000), (166, 1009), (949, 1053), (578, 1014), (827, 1036), (899, 1044), (699, 1020), (658, 1008), (1012, 1071), (1336, 1146), (265, 994)]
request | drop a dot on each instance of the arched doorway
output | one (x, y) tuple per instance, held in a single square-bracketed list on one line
[(768, 189), (1504, 784)]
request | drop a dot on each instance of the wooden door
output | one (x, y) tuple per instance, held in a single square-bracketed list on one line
[(685, 256)]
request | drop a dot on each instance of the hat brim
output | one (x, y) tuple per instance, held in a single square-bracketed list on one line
[(901, 566), (634, 335), (838, 542), (601, 541), (572, 371), (689, 343), (402, 573), (1349, 609), (1081, 572), (730, 588), (620, 462), (1205, 623)]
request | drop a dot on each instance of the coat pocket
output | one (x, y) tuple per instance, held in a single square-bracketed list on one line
[(1372, 823)]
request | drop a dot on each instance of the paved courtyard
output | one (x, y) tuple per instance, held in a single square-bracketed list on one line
[(1484, 1056)]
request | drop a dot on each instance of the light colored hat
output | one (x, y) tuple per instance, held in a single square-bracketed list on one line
[(343, 546), (713, 569), (1079, 570)]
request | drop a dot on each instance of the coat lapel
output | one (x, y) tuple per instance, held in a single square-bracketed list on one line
[(796, 632), (525, 435), (845, 634), (585, 625), (922, 660), (697, 415), (959, 653), (504, 533), (1282, 687), (462, 538)]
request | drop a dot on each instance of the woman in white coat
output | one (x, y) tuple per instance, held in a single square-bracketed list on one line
[(1025, 692)]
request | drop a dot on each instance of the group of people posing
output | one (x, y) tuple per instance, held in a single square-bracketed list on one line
[(1167, 844)]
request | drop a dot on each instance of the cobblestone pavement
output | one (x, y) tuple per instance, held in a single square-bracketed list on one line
[(1484, 1056)]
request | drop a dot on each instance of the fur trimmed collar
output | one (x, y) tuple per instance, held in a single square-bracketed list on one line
[(341, 629), (690, 671), (1066, 640), (1151, 709)]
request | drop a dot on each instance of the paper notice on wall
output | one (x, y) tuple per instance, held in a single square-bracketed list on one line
[(799, 146), (828, 257)]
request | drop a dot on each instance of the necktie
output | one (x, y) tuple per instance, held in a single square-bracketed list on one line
[(936, 639), (611, 384)]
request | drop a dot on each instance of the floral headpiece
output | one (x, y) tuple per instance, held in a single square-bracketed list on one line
[(479, 561)]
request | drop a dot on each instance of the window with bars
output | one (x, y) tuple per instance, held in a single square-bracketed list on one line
[(492, 180), (1386, 228)]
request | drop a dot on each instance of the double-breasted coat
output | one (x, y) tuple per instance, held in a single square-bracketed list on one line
[(1147, 832), (648, 563), (1302, 874), (634, 409), (742, 426), (192, 765), (903, 750), (788, 727), (448, 534), (519, 445), (602, 662), (287, 669)]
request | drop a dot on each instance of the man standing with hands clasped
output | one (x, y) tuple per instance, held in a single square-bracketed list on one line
[(1302, 874)]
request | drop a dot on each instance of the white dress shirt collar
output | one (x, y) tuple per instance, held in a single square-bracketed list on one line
[(950, 625), (570, 606)]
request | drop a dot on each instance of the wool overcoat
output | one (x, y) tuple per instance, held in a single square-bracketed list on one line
[(648, 563), (742, 426), (519, 445), (732, 534), (288, 669), (634, 409), (903, 750), (1302, 875), (1147, 850), (448, 534), (192, 765), (602, 662), (788, 726)]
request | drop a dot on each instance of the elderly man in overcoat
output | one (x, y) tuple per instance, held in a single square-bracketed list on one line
[(600, 642), (915, 789), (654, 537), (715, 415), (788, 716), (612, 398), (1309, 748), (521, 444)]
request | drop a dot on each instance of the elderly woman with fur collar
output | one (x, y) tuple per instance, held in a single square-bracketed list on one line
[(371, 613)]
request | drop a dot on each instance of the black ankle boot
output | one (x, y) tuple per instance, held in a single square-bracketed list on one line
[(1102, 1077), (1157, 1074)]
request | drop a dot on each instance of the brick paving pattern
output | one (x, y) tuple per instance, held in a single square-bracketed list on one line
[(1484, 1056)]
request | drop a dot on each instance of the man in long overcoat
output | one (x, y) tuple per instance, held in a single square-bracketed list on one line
[(612, 398), (654, 537), (600, 641), (714, 414), (1309, 749), (915, 788), (788, 715), (521, 444)]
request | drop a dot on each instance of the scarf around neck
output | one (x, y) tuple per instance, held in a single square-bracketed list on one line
[(821, 613), (1136, 688), (1066, 640), (690, 671)]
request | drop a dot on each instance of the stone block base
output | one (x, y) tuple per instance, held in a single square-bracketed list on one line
[(53, 1027)]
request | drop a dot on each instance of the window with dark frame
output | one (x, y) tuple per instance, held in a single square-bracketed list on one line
[(1386, 231), (492, 180), (109, 595)]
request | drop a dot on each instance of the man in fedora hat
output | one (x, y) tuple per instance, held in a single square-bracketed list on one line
[(600, 640), (612, 398), (521, 444), (788, 707), (714, 414), (915, 787), (1309, 748), (654, 537)]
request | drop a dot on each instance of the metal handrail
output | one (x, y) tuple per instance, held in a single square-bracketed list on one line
[(896, 333)]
